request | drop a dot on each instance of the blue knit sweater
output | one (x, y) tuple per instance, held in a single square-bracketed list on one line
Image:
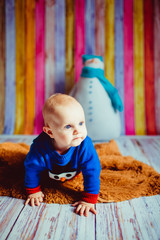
[(83, 158)]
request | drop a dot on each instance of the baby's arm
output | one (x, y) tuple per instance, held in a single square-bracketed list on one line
[(35, 199), (83, 208)]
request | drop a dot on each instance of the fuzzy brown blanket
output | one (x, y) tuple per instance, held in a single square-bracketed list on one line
[(122, 177)]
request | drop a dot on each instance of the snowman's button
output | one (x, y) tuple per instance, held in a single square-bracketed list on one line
[(90, 86), (90, 92), (91, 81), (90, 108), (90, 102), (90, 113), (90, 119)]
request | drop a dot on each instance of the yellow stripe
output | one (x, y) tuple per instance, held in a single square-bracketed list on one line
[(139, 97), (20, 65), (109, 40), (30, 66), (69, 44)]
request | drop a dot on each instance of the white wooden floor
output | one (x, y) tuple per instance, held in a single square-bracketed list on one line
[(134, 219)]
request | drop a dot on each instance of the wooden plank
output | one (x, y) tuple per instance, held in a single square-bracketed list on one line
[(128, 68), (107, 222), (119, 55), (10, 209), (20, 66), (60, 46), (146, 150), (10, 67), (79, 36), (2, 64), (49, 48), (151, 150), (138, 219), (147, 214), (139, 96), (89, 27), (109, 41), (69, 45), (30, 67), (100, 28), (39, 65), (157, 62), (149, 67), (53, 221)]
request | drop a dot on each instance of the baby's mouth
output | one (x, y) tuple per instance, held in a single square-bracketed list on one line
[(78, 137)]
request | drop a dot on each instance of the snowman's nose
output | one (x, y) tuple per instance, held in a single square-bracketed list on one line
[(63, 179)]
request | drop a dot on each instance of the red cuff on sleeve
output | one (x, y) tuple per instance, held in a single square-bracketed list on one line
[(89, 197), (33, 190)]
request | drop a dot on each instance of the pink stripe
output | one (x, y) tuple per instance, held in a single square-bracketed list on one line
[(128, 68), (40, 73), (79, 36)]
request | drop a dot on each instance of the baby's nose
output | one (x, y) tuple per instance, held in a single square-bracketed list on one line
[(75, 132)]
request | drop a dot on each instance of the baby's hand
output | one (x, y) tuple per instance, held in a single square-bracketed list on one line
[(83, 208), (35, 199)]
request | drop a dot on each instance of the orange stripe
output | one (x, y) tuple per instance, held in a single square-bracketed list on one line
[(30, 66), (20, 65)]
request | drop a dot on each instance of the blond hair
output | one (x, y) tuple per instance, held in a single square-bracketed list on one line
[(54, 101)]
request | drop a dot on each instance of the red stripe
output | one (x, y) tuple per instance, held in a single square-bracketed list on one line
[(33, 190), (149, 67), (89, 197)]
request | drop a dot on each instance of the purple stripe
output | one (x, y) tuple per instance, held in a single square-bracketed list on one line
[(119, 56), (10, 67), (90, 26), (60, 46)]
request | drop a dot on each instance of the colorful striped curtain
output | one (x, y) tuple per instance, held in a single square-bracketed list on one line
[(41, 48)]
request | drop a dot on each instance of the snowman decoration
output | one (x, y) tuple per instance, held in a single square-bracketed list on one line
[(99, 99)]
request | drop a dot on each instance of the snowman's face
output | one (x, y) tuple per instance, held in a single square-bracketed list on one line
[(94, 63), (62, 176)]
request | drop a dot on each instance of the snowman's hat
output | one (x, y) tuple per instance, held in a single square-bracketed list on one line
[(87, 57)]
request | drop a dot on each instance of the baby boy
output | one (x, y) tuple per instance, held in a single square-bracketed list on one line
[(64, 150)]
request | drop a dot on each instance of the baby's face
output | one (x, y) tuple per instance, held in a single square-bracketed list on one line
[(68, 127)]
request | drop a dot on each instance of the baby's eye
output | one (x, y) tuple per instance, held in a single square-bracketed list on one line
[(68, 126), (81, 123)]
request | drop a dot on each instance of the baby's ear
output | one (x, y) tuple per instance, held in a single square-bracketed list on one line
[(48, 131)]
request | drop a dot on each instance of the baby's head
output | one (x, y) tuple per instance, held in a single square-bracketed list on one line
[(64, 121)]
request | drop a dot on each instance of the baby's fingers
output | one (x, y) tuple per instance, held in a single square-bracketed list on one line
[(75, 204), (32, 202), (40, 199), (27, 201), (93, 211)]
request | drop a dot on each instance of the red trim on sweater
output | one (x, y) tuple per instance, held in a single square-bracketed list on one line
[(89, 197), (33, 190)]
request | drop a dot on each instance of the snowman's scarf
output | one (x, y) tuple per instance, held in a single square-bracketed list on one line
[(89, 72)]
